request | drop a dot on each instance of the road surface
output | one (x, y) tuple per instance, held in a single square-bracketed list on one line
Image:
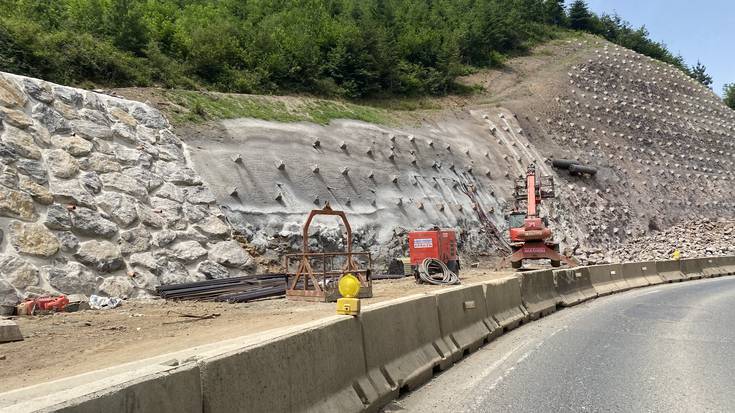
[(669, 348)]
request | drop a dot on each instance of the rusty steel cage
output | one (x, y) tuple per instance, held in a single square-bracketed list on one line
[(313, 276)]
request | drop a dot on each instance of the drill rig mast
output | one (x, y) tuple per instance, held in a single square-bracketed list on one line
[(530, 236)]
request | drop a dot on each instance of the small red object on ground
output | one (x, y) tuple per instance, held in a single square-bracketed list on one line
[(43, 304)]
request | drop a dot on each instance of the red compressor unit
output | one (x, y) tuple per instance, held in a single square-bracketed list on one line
[(440, 244)]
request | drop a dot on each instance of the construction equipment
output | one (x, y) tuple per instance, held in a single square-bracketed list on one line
[(433, 254), (436, 243), (313, 276), (530, 236)]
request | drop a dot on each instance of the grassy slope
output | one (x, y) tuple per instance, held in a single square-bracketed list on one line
[(195, 107)]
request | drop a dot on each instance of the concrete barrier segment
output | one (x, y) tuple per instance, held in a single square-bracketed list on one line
[(403, 344), (175, 391), (711, 267), (318, 368), (634, 274), (504, 304), (462, 319), (670, 270), (650, 273), (723, 266), (691, 268), (152, 388), (574, 286), (616, 274), (538, 293), (729, 265), (607, 279)]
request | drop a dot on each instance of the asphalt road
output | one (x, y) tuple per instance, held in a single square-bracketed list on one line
[(669, 348)]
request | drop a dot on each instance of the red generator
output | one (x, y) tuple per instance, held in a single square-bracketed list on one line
[(440, 244)]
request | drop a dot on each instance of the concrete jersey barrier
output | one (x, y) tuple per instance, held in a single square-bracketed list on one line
[(463, 319), (634, 274), (504, 305), (574, 285), (711, 267), (650, 273), (340, 363), (607, 279), (318, 368), (538, 293), (403, 344), (722, 266), (142, 386), (669, 271), (729, 265), (691, 268)]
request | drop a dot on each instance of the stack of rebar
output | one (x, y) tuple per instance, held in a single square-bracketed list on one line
[(236, 289)]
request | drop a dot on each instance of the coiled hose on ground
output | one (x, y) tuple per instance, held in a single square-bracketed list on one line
[(433, 271)]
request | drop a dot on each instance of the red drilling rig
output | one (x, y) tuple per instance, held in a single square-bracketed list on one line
[(530, 236)]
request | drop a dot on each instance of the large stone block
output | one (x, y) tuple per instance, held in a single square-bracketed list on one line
[(16, 204), (33, 239), (9, 331), (103, 256)]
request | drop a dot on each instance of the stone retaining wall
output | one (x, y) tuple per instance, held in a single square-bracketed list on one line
[(97, 196)]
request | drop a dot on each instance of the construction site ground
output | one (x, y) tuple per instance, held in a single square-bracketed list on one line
[(66, 344)]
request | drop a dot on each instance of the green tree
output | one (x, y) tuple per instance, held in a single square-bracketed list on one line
[(125, 25), (699, 73), (555, 13), (350, 48), (729, 95), (580, 17)]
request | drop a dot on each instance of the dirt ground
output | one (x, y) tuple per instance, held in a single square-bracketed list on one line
[(67, 344)]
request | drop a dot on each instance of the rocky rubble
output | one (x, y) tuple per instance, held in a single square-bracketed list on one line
[(97, 197), (692, 239)]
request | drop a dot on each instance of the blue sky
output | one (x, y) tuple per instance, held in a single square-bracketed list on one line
[(699, 30)]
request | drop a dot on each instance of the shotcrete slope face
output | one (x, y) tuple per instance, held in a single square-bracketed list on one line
[(270, 175), (97, 196), (661, 142)]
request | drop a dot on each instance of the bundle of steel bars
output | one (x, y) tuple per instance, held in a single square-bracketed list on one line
[(236, 289)]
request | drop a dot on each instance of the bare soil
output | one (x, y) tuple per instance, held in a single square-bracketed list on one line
[(66, 344)]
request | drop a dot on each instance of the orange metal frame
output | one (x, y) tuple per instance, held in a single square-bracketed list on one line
[(316, 277)]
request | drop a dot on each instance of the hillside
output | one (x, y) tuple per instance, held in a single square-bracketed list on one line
[(102, 194), (658, 139)]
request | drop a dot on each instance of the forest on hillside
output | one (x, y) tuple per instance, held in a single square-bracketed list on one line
[(346, 48)]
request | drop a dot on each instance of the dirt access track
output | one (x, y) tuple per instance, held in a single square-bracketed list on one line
[(66, 344)]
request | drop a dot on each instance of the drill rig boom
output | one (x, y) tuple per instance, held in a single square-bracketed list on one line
[(529, 233)]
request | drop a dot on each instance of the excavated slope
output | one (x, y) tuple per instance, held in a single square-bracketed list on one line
[(660, 141), (97, 195)]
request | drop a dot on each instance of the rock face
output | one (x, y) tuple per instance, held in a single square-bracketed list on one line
[(94, 189)]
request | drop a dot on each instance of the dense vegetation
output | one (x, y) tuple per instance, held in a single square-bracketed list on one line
[(350, 48), (729, 95)]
